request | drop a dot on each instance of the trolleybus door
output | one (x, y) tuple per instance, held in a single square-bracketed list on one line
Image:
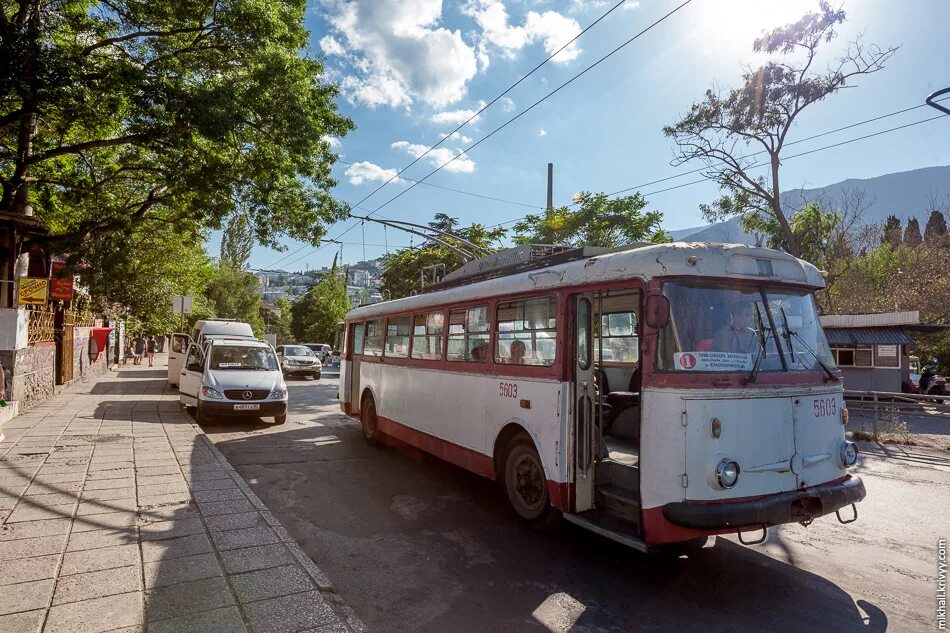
[(583, 403), (352, 352)]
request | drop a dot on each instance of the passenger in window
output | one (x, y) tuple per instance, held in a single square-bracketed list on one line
[(480, 352), (517, 353), (737, 336)]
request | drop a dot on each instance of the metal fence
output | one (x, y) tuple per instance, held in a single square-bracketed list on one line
[(41, 327), (884, 405)]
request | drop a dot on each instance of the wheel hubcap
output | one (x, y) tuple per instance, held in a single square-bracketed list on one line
[(529, 483)]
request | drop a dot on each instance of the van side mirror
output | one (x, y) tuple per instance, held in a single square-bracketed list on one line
[(657, 311)]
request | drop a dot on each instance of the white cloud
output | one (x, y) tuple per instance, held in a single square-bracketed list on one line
[(631, 4), (457, 117), (331, 46), (457, 136), (365, 171), (332, 141), (542, 132), (439, 156), (508, 104), (399, 54), (551, 28)]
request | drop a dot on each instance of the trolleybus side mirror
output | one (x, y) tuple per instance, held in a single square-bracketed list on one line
[(657, 311)]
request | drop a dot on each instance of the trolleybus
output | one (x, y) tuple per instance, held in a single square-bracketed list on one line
[(655, 394)]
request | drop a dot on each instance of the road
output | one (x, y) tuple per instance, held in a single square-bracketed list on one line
[(415, 544)]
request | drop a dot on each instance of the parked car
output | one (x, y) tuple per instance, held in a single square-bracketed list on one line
[(323, 351), (233, 377), (299, 360)]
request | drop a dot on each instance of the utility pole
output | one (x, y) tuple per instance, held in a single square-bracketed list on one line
[(550, 186)]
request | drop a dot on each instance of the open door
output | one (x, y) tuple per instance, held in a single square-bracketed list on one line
[(190, 376), (584, 396), (350, 366), (176, 357)]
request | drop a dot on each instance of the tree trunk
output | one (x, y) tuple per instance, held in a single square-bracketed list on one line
[(791, 241)]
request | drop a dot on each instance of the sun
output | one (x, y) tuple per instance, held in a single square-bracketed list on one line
[(747, 19)]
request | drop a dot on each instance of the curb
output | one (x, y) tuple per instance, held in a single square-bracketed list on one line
[(343, 610)]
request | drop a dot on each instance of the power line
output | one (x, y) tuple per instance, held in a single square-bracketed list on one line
[(533, 105), (509, 121), (492, 102), (762, 164), (462, 191)]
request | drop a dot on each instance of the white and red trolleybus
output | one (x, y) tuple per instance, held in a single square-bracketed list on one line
[(655, 394)]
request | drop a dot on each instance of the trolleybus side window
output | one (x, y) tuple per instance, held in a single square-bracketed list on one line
[(527, 332), (373, 341), (618, 332), (427, 332), (468, 335), (358, 338), (397, 337)]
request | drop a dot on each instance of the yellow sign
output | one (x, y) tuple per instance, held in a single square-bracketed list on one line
[(33, 291)]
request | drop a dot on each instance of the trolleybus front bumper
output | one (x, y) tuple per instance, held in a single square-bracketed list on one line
[(785, 507)]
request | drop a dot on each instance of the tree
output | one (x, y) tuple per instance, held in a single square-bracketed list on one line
[(443, 222), (403, 268), (135, 278), (892, 233), (597, 221), (720, 130), (236, 242), (126, 114), (235, 294), (912, 236), (277, 317), (314, 315), (935, 232)]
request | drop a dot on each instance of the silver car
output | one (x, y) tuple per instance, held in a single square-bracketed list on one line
[(299, 360)]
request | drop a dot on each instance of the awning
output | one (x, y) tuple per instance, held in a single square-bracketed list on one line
[(868, 336)]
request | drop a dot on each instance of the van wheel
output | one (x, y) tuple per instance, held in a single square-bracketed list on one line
[(370, 422), (526, 487), (280, 419)]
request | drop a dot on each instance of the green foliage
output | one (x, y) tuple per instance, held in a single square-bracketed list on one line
[(404, 267), (597, 221), (122, 116), (277, 318), (135, 277), (725, 131), (236, 242), (235, 294), (314, 315), (814, 229)]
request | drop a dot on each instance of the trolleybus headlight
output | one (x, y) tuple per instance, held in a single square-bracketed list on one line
[(727, 473), (848, 454)]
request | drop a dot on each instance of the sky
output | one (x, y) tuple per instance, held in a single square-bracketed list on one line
[(410, 71)]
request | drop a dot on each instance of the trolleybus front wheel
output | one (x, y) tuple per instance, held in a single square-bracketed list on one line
[(526, 487)]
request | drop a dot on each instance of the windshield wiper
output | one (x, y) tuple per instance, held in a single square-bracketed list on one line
[(760, 332), (831, 375), (788, 335)]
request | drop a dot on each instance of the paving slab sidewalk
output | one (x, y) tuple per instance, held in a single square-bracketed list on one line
[(118, 514)]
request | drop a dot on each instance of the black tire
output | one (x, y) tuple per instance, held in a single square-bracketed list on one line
[(526, 487), (280, 419), (200, 416), (315, 375), (370, 422)]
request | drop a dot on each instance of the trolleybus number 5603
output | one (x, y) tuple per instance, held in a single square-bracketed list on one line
[(825, 407), (508, 390)]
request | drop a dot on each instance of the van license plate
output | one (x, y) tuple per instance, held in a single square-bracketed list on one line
[(247, 407)]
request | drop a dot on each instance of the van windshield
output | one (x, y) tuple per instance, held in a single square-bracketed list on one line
[(721, 328), (241, 357)]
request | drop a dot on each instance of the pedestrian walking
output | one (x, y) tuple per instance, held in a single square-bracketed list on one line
[(129, 352), (139, 349), (151, 349)]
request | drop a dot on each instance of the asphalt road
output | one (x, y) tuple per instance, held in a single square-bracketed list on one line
[(415, 544)]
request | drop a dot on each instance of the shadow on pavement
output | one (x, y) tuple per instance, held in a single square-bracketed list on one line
[(416, 544)]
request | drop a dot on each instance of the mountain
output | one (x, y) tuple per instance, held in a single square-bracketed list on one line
[(904, 194)]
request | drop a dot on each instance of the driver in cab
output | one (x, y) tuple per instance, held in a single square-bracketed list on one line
[(737, 336)]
